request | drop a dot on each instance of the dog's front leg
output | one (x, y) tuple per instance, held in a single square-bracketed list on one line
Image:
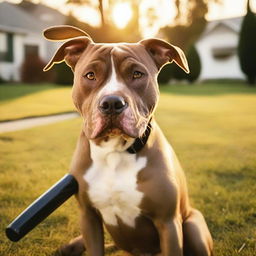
[(92, 231), (171, 240)]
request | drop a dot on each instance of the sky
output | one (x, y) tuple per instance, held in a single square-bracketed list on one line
[(165, 10)]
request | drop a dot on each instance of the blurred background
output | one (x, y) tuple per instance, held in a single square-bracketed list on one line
[(209, 116), (215, 34)]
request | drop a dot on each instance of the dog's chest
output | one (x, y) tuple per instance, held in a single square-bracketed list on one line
[(112, 181)]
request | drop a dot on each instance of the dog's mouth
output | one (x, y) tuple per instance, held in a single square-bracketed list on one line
[(113, 126)]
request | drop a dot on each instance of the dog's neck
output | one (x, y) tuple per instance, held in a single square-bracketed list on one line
[(139, 143)]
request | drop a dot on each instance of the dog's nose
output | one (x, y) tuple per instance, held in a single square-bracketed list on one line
[(112, 104)]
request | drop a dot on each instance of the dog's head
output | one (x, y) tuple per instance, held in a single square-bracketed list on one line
[(115, 85)]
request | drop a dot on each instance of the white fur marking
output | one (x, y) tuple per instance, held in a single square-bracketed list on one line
[(112, 180), (113, 85)]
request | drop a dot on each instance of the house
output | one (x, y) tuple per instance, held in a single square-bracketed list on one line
[(21, 34), (45, 14), (217, 48)]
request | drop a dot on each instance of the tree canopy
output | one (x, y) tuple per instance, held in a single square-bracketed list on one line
[(107, 31), (247, 46), (187, 26), (189, 22)]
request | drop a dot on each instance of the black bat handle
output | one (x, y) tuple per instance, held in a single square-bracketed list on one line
[(42, 207)]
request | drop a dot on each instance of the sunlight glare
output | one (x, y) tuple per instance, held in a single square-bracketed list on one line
[(121, 14)]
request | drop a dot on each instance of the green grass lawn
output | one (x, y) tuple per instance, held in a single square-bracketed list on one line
[(19, 101), (212, 129)]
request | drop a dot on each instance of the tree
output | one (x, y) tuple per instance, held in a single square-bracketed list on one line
[(189, 22), (88, 2), (247, 46), (107, 32)]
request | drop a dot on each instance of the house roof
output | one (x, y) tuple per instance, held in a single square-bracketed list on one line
[(232, 23), (28, 17), (45, 14), (14, 19)]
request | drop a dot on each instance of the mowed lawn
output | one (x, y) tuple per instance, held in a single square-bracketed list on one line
[(20, 101), (213, 131)]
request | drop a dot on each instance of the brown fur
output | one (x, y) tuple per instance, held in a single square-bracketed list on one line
[(167, 225)]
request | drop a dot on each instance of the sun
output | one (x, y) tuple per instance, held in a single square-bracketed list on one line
[(121, 14)]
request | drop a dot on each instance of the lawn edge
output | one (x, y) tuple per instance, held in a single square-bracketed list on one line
[(35, 116)]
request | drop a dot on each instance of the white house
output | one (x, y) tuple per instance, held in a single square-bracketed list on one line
[(21, 35), (217, 48)]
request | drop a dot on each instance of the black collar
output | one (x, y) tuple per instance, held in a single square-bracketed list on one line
[(139, 143)]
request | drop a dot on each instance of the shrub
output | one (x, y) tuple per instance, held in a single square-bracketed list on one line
[(2, 81), (247, 46), (194, 64), (175, 72), (166, 74), (169, 72), (64, 75), (32, 70)]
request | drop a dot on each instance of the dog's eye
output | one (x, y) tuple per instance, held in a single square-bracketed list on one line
[(137, 74), (90, 76)]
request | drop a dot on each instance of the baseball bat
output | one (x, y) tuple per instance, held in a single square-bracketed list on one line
[(42, 207)]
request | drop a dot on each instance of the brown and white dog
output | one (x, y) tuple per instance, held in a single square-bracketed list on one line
[(129, 177)]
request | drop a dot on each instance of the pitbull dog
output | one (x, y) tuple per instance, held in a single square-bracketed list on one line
[(130, 179)]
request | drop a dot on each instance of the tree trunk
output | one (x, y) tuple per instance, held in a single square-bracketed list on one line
[(101, 9)]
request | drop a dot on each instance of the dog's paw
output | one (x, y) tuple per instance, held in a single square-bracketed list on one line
[(70, 250), (74, 248)]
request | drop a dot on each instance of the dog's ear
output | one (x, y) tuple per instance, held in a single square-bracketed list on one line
[(69, 52), (163, 53), (63, 32)]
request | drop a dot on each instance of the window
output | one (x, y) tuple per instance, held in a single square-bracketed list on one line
[(6, 47), (3, 42), (223, 53)]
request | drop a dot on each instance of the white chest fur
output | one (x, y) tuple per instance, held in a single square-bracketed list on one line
[(112, 180)]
